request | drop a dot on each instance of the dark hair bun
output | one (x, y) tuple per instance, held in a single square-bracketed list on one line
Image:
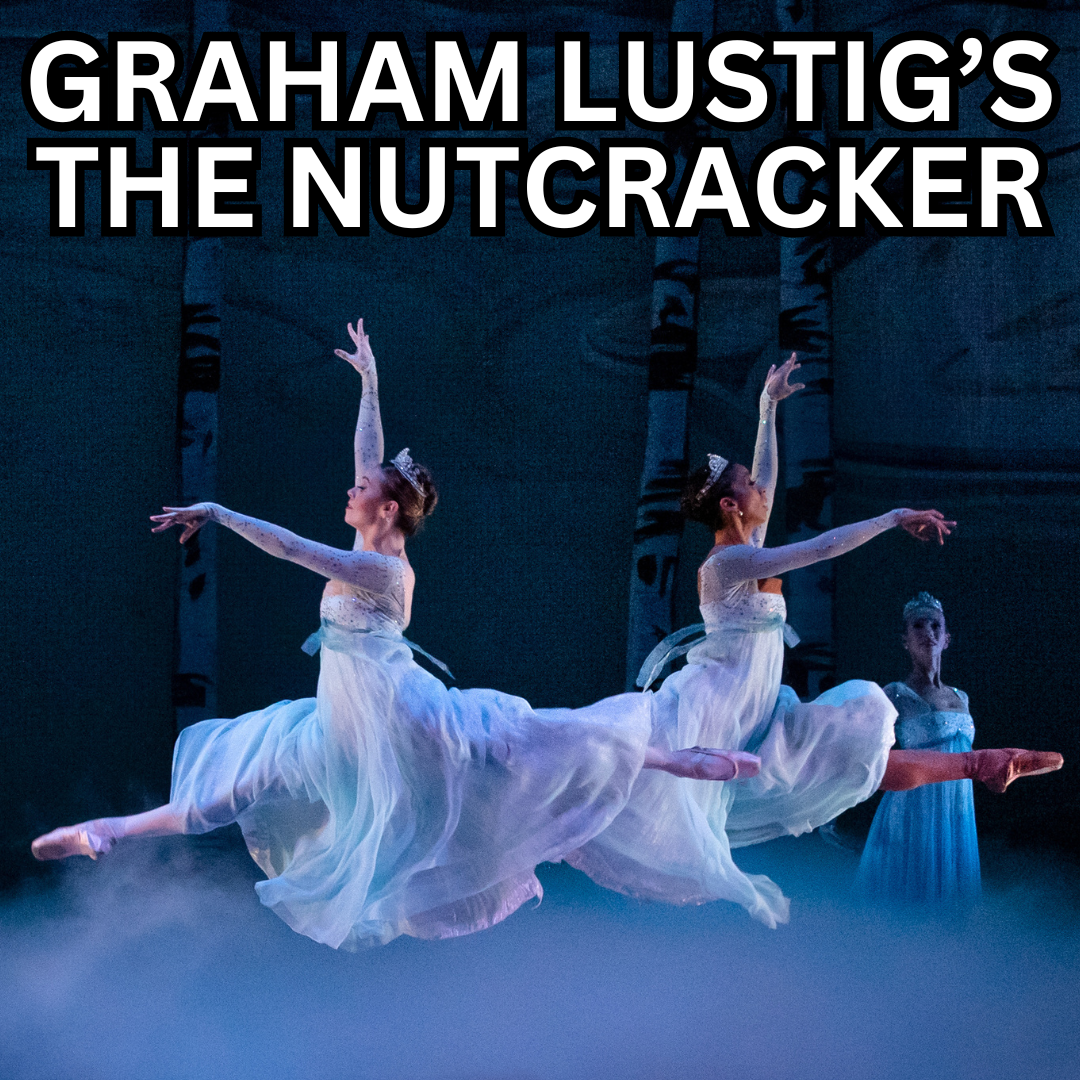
[(413, 505), (702, 504)]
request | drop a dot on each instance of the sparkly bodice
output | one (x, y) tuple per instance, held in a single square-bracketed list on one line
[(379, 607), (736, 603), (748, 610), (919, 725)]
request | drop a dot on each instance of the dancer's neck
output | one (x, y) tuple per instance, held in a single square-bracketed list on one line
[(924, 678), (384, 541), (734, 533)]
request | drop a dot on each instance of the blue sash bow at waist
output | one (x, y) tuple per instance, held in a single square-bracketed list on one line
[(324, 638), (682, 641)]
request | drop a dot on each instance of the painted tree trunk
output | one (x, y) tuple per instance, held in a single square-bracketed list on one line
[(195, 674), (673, 354), (659, 525), (806, 419), (195, 677)]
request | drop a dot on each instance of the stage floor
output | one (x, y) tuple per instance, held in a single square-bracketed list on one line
[(160, 963)]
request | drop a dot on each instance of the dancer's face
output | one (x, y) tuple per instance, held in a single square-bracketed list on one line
[(367, 500), (925, 636), (749, 497)]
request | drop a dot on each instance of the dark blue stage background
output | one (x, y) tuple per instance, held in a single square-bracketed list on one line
[(516, 368)]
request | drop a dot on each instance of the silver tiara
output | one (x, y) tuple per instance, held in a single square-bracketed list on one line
[(717, 465), (923, 602), (407, 467)]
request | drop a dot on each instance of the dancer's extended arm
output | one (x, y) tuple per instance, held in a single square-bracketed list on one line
[(363, 569), (368, 440), (368, 446), (766, 457), (742, 562)]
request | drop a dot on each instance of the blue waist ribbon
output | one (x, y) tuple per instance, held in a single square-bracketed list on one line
[(321, 638), (682, 641)]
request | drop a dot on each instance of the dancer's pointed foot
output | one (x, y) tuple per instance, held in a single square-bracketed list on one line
[(72, 840), (997, 769), (706, 763)]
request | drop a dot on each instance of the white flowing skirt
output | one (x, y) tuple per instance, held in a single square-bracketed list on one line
[(674, 839), (389, 804)]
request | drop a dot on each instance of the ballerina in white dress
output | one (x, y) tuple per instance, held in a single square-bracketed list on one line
[(389, 804), (673, 842)]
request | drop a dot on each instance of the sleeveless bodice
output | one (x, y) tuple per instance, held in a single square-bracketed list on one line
[(921, 726)]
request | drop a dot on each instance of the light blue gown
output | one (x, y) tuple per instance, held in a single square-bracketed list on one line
[(922, 844)]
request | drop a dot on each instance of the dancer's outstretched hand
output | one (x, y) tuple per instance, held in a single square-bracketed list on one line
[(193, 518), (925, 524), (776, 382), (363, 359)]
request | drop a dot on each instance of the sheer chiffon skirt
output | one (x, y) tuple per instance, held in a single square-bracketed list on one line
[(389, 804), (674, 840)]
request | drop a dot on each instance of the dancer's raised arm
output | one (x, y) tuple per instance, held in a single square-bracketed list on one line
[(368, 441), (766, 456), (362, 569), (742, 562)]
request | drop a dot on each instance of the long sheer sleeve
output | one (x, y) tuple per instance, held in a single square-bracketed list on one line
[(368, 446), (766, 458), (743, 562), (368, 441), (363, 569)]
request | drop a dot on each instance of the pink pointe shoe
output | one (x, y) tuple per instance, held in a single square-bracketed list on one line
[(706, 763), (997, 769), (71, 840)]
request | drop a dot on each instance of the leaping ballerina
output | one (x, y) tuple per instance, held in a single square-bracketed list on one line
[(389, 804), (673, 842)]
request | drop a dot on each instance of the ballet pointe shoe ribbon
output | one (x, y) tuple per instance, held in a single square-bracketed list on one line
[(71, 840), (997, 769), (707, 763)]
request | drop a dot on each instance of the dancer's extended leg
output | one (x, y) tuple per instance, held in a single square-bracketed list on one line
[(94, 838), (997, 769), (703, 763)]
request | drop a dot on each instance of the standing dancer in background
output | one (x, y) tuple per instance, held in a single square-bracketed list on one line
[(388, 804), (923, 844), (673, 842)]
